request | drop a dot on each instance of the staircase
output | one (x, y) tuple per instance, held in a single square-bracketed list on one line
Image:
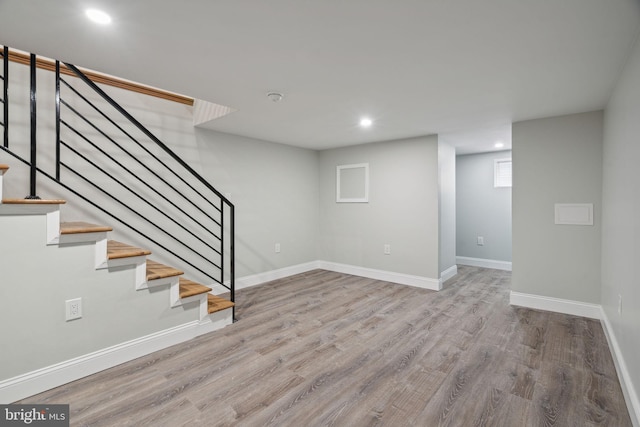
[(113, 170), (111, 253)]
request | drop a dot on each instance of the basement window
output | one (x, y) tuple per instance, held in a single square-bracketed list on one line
[(502, 176)]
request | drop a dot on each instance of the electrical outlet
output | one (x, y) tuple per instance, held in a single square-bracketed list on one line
[(387, 249), (74, 308), (480, 241), (619, 304), (277, 248)]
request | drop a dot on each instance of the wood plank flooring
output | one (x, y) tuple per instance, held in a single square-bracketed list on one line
[(329, 349)]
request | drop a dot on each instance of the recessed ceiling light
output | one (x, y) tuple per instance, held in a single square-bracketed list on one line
[(365, 122), (498, 144), (98, 16)]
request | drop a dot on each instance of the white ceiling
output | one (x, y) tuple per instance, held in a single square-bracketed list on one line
[(416, 67), (478, 140)]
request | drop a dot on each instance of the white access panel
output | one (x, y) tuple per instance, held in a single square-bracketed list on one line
[(574, 213)]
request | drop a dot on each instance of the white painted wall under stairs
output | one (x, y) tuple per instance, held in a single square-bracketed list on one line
[(123, 316)]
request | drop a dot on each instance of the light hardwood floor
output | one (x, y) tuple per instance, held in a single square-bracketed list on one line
[(324, 348)]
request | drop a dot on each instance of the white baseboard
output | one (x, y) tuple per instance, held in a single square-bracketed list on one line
[(539, 302), (388, 276), (448, 273), (267, 276), (484, 263), (281, 273), (628, 389), (35, 382)]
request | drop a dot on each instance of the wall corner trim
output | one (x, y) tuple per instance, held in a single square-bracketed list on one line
[(448, 274), (626, 383), (484, 263), (558, 305)]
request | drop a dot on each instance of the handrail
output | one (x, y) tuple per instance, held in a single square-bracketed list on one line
[(49, 65), (203, 228)]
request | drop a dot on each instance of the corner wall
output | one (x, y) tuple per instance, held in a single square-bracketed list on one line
[(275, 190), (621, 228), (447, 203), (482, 209), (557, 160), (402, 210)]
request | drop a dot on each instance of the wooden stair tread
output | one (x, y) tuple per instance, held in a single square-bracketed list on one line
[(79, 227), (117, 250), (216, 303), (189, 288), (33, 202), (156, 270)]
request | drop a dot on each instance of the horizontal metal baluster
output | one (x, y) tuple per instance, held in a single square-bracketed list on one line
[(138, 178), (127, 206), (138, 231), (127, 152), (143, 199), (151, 136)]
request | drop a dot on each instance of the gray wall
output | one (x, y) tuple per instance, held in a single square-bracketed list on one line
[(621, 221), (275, 190), (402, 209), (447, 185), (482, 209), (557, 160), (34, 331)]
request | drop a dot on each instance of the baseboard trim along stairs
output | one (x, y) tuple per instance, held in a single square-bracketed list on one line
[(212, 313), (40, 380)]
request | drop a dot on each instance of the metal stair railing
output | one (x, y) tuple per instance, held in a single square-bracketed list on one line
[(101, 149)]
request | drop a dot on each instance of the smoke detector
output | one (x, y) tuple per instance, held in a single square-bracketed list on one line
[(275, 96)]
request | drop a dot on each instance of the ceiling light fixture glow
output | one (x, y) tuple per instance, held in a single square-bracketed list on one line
[(365, 122), (98, 16), (498, 144)]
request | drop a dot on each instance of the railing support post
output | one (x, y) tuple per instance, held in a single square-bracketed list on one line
[(5, 98), (58, 120), (34, 151), (232, 259)]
